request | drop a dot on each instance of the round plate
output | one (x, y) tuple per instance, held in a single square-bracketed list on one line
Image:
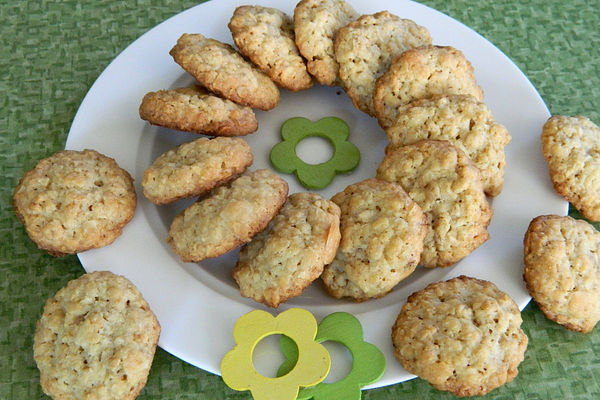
[(198, 304)]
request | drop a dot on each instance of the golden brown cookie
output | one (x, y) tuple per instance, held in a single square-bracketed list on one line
[(74, 201), (420, 73), (382, 239), (463, 336), (462, 120), (449, 189), (283, 260), (96, 339), (228, 216), (194, 110), (316, 23), (571, 146), (222, 70), (364, 49), (194, 168), (266, 36), (562, 270)]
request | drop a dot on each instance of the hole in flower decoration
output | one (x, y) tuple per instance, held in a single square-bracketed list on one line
[(315, 150), (267, 355), (341, 361)]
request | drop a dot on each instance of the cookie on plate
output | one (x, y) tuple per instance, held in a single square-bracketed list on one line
[(449, 189), (192, 109), (285, 258), (266, 36), (571, 146), (562, 270), (221, 69), (74, 201), (194, 168), (462, 120), (96, 339), (420, 73), (382, 239), (364, 49), (463, 336), (316, 23), (228, 216)]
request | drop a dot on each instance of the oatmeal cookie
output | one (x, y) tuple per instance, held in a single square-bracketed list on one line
[(462, 120), (420, 73), (74, 201), (266, 36), (364, 49), (222, 70), (382, 239), (463, 336), (562, 270), (449, 188), (316, 23), (285, 258), (96, 339), (192, 109), (571, 146), (228, 216), (194, 168)]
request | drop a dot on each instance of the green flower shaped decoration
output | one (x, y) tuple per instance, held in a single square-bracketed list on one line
[(368, 362), (237, 368), (346, 155)]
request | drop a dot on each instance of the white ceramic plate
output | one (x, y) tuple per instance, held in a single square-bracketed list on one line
[(198, 305)]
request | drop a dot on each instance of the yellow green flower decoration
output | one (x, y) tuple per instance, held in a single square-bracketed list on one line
[(313, 361), (368, 362), (346, 155)]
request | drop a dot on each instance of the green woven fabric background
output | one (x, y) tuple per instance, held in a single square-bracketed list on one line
[(52, 51)]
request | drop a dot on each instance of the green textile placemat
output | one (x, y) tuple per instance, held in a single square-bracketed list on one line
[(51, 53)]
